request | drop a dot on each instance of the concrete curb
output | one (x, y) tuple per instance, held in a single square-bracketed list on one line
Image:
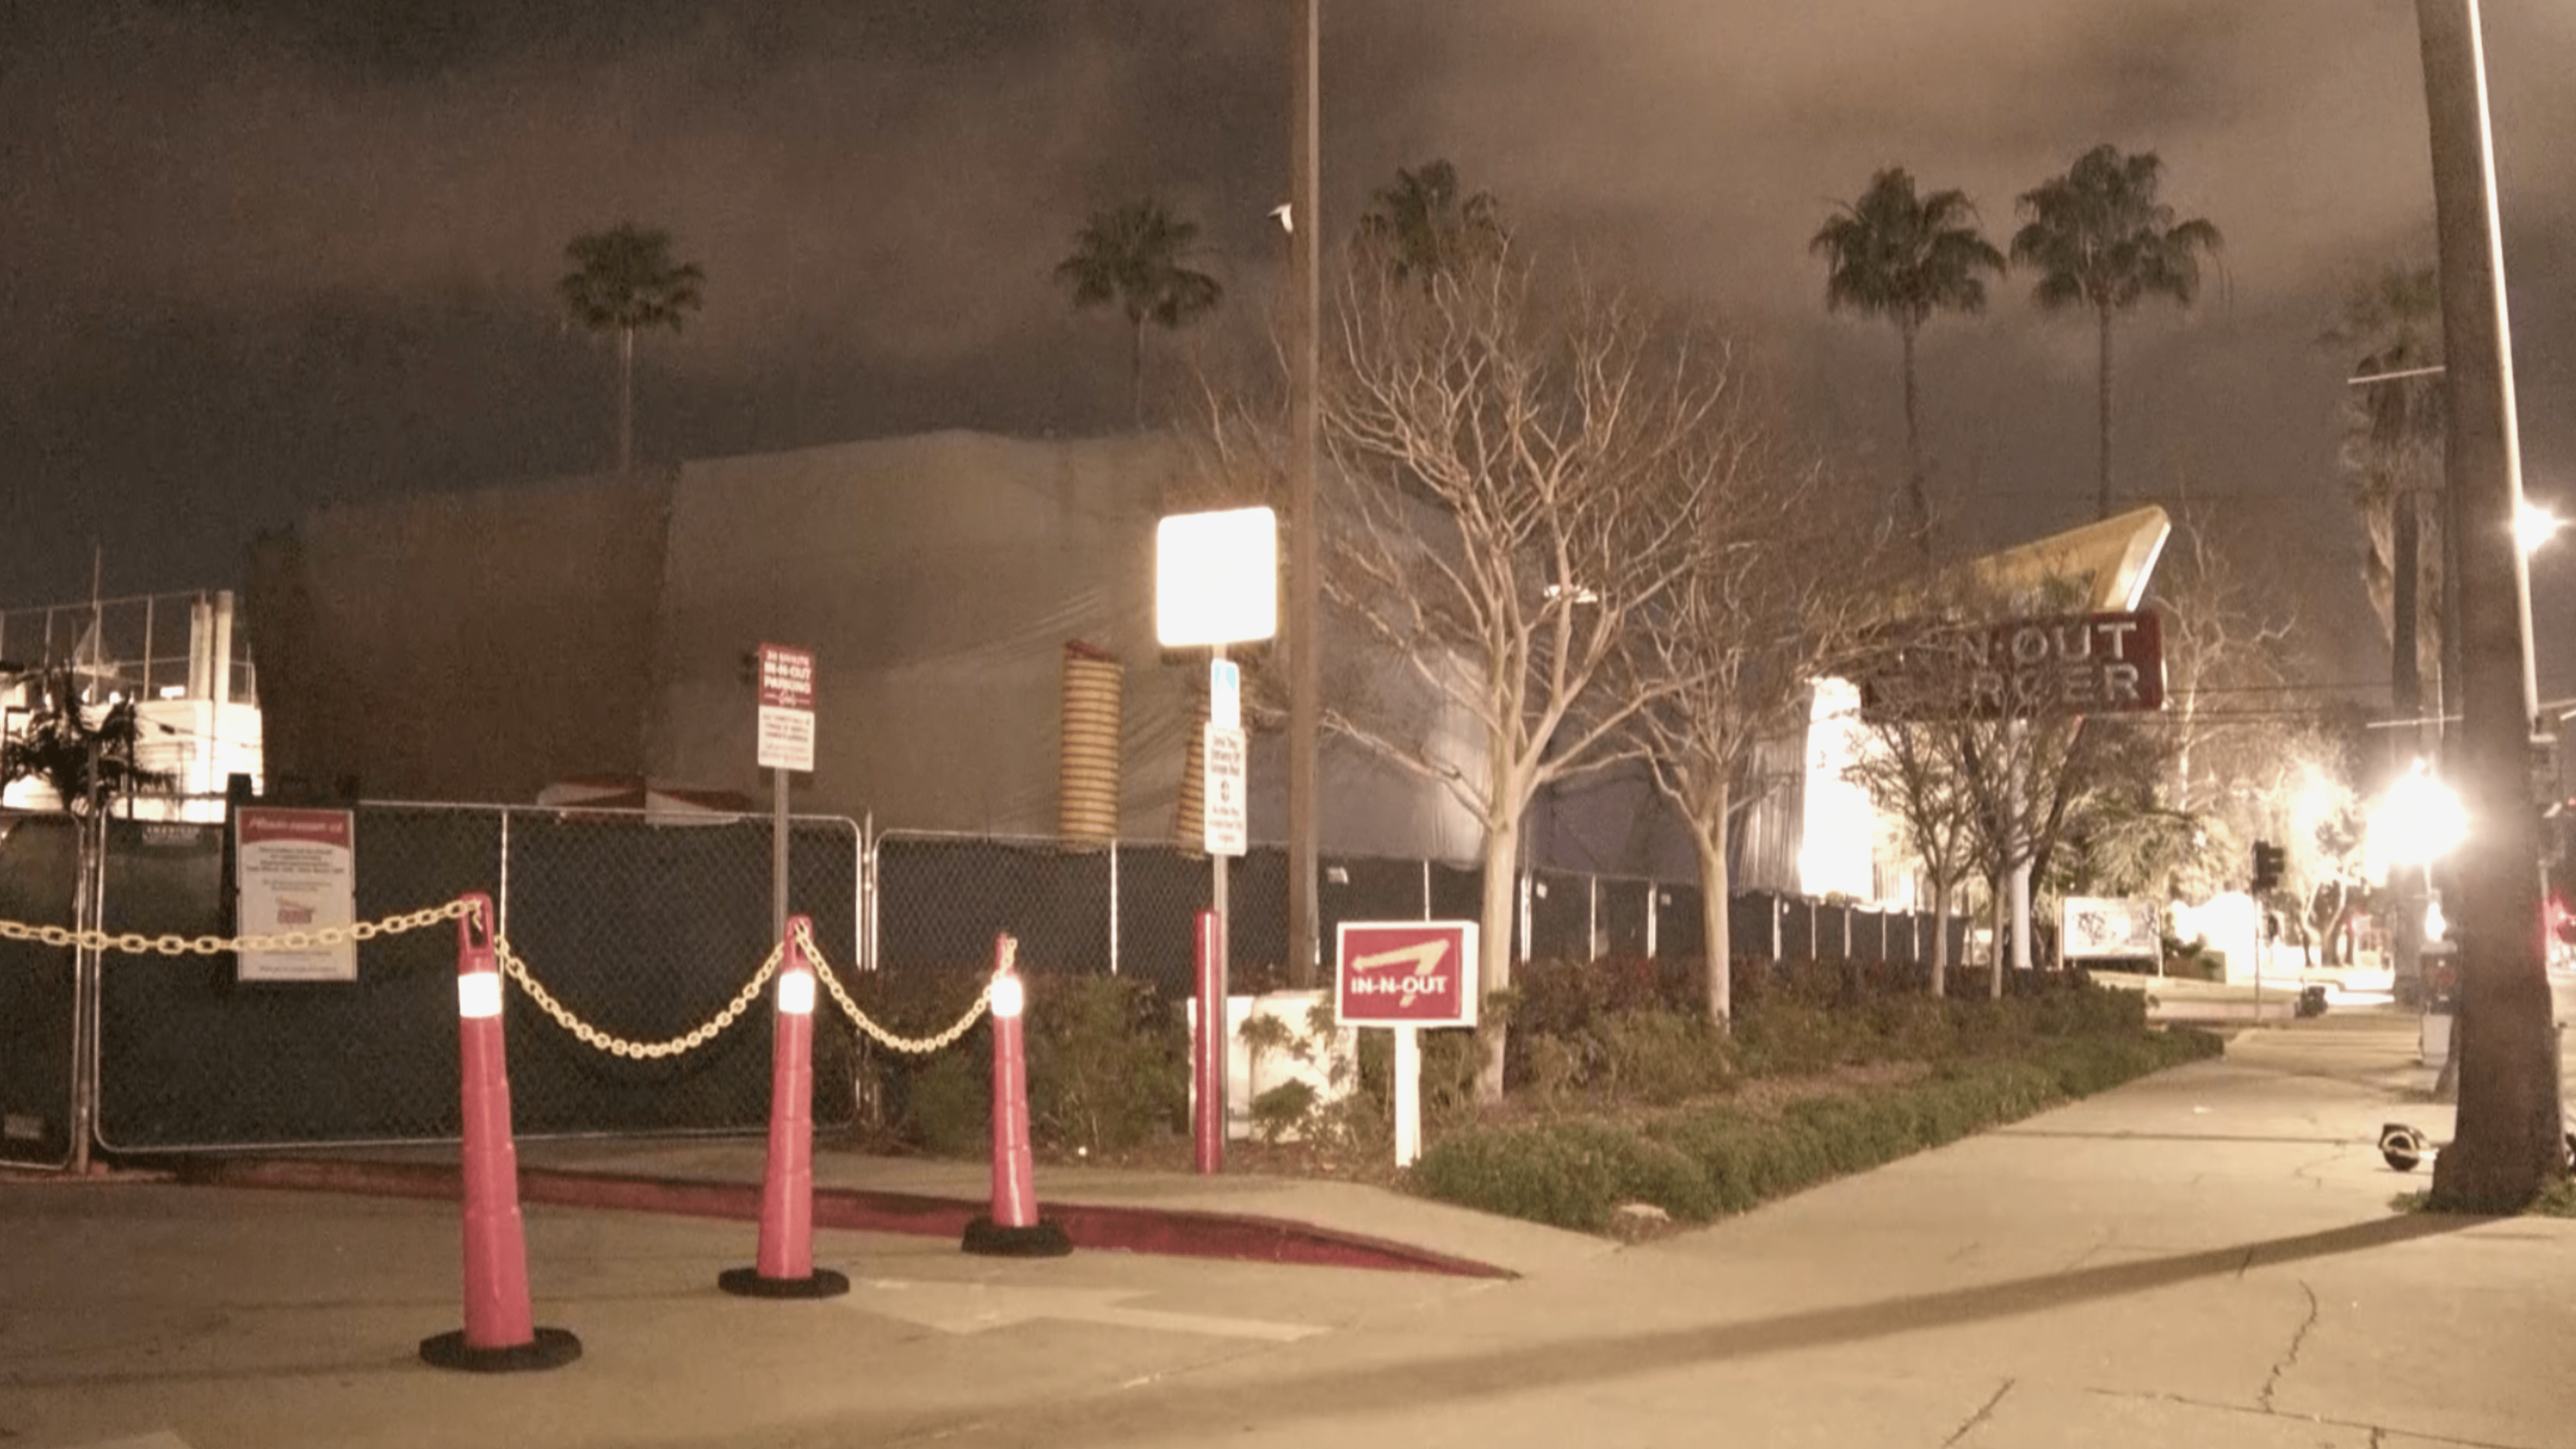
[(1169, 1231)]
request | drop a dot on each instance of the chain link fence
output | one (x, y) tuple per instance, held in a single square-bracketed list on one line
[(643, 927), (642, 930), (39, 878), (1128, 909)]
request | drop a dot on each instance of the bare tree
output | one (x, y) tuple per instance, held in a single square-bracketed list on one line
[(1522, 465), (1910, 776), (1781, 556), (2001, 762), (2222, 647)]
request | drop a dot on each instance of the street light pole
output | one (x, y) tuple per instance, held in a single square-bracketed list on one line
[(2506, 1146), (1305, 271)]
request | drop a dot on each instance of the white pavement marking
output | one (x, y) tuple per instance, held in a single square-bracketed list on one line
[(975, 1307)]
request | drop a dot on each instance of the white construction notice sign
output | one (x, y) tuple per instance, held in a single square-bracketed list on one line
[(1222, 804), (786, 708), (296, 870)]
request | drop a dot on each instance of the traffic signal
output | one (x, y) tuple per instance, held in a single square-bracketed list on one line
[(2267, 865)]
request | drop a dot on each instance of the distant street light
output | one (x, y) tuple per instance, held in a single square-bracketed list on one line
[(2420, 821), (2534, 526)]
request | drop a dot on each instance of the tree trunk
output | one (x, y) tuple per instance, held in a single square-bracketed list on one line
[(1716, 912), (1494, 972), (2102, 380), (625, 399), (1940, 941), (2406, 701), (1918, 498), (1996, 888), (2507, 1146)]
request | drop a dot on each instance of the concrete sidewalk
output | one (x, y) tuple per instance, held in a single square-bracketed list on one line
[(2206, 1257)]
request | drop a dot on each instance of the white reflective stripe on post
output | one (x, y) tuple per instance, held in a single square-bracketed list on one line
[(796, 993), (478, 994), (1009, 996)]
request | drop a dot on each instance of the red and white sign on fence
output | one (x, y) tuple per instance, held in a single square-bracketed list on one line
[(786, 708), (1405, 973), (295, 870)]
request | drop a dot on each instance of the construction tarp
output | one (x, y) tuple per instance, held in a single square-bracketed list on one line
[(487, 645)]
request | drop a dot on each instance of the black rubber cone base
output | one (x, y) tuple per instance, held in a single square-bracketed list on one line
[(2401, 1146), (551, 1348), (1045, 1240), (747, 1283)]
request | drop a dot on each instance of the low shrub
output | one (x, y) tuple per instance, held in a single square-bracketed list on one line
[(1660, 1057), (1569, 1174), (1701, 1161), (1107, 1063)]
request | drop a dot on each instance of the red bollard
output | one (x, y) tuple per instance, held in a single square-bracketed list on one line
[(786, 1262), (498, 1336), (1207, 1047), (1014, 1230)]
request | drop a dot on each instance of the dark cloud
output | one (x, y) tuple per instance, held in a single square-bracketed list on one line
[(266, 253)]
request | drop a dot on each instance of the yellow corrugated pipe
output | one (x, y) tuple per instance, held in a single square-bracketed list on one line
[(1087, 780), (1189, 817)]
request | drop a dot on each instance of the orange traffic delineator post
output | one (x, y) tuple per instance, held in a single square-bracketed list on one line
[(785, 1268), (1014, 1230), (499, 1334)]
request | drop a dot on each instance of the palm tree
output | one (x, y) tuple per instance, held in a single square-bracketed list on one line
[(1893, 254), (2393, 434), (623, 281), (88, 765), (1425, 228), (1137, 256), (2099, 238)]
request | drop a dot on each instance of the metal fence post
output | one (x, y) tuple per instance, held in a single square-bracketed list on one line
[(1113, 907), (1591, 918)]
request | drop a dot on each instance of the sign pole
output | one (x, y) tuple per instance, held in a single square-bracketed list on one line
[(1408, 1095), (1224, 956), (777, 855)]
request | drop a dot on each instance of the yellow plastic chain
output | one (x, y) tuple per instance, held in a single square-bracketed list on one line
[(135, 943), (699, 1036), (910, 1046)]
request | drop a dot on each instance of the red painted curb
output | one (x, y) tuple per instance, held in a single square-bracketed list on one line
[(1171, 1232)]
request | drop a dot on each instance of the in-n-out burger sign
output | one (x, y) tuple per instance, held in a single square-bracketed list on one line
[(1405, 973), (2069, 665)]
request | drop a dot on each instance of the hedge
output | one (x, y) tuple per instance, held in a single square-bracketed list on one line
[(1702, 1162)]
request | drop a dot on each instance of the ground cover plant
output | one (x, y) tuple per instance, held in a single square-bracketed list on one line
[(1621, 1093)]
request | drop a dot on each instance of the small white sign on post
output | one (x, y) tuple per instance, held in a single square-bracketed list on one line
[(296, 870), (786, 708), (1225, 694), (1221, 809)]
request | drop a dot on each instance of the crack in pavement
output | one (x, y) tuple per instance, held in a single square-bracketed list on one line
[(2378, 1432), (2306, 1171), (2298, 1340), (1984, 1413)]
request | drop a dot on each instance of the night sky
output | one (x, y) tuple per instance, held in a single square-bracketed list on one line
[(262, 255)]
